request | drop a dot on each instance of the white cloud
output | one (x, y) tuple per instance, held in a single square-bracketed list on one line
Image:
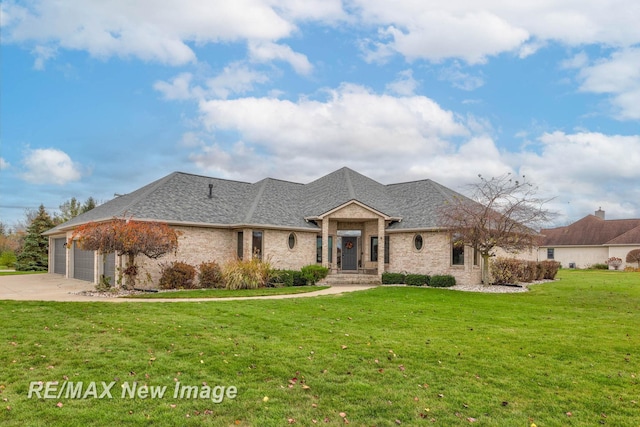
[(381, 134), (618, 76), (586, 170), (236, 78), (4, 164), (460, 79), (410, 137), (404, 85), (459, 29), (154, 30), (178, 89), (166, 30), (49, 165), (577, 61), (264, 51)]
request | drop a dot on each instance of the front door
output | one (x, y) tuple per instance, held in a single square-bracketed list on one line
[(349, 253)]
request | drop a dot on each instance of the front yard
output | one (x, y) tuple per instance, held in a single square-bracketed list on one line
[(566, 353)]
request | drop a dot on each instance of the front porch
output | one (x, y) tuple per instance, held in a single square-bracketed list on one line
[(353, 241)]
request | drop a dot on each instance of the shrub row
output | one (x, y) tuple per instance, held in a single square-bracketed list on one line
[(511, 270), (237, 274), (440, 281)]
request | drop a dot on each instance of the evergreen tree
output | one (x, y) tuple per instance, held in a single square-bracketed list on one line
[(72, 208), (35, 252)]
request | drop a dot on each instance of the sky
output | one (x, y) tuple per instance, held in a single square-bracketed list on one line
[(100, 98)]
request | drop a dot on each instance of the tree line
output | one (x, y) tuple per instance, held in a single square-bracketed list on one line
[(23, 247)]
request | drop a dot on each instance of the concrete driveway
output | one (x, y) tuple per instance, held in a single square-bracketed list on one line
[(54, 287)]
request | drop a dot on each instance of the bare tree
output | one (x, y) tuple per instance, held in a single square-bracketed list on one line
[(501, 213), (634, 256)]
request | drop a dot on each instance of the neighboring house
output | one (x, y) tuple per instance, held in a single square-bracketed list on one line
[(591, 240), (344, 221)]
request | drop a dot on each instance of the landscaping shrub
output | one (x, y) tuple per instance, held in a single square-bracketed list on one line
[(600, 266), (210, 275), (442, 281), (551, 269), (541, 270), (314, 273), (529, 271), (510, 270), (299, 279), (177, 275), (283, 278), (393, 278), (614, 262), (246, 274), (417, 279), (505, 270), (8, 259), (104, 285)]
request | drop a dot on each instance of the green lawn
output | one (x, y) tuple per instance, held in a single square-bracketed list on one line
[(227, 293), (13, 273), (565, 354)]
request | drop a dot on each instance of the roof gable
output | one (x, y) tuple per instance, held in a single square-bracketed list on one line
[(353, 208)]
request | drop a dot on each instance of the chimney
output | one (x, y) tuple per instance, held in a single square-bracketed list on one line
[(600, 213), (210, 190)]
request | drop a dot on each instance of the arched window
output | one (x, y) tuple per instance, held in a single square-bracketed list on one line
[(292, 240)]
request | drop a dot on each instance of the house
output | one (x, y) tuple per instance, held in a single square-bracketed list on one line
[(344, 221), (591, 240)]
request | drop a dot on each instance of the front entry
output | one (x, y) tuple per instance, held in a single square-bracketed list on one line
[(349, 253)]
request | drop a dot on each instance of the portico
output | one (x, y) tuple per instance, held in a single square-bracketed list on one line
[(356, 230)]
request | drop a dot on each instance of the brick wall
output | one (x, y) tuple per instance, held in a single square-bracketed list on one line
[(433, 258)]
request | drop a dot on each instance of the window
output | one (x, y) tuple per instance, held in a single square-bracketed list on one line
[(292, 240), (476, 257), (386, 250), (256, 245), (418, 242), (550, 253), (240, 244), (319, 249), (457, 251), (374, 249)]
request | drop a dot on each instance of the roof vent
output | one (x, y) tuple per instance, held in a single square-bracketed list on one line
[(210, 190), (600, 213)]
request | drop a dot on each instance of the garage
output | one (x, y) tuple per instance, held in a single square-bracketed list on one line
[(83, 264), (59, 256)]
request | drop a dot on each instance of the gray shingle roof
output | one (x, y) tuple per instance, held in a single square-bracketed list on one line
[(184, 198)]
